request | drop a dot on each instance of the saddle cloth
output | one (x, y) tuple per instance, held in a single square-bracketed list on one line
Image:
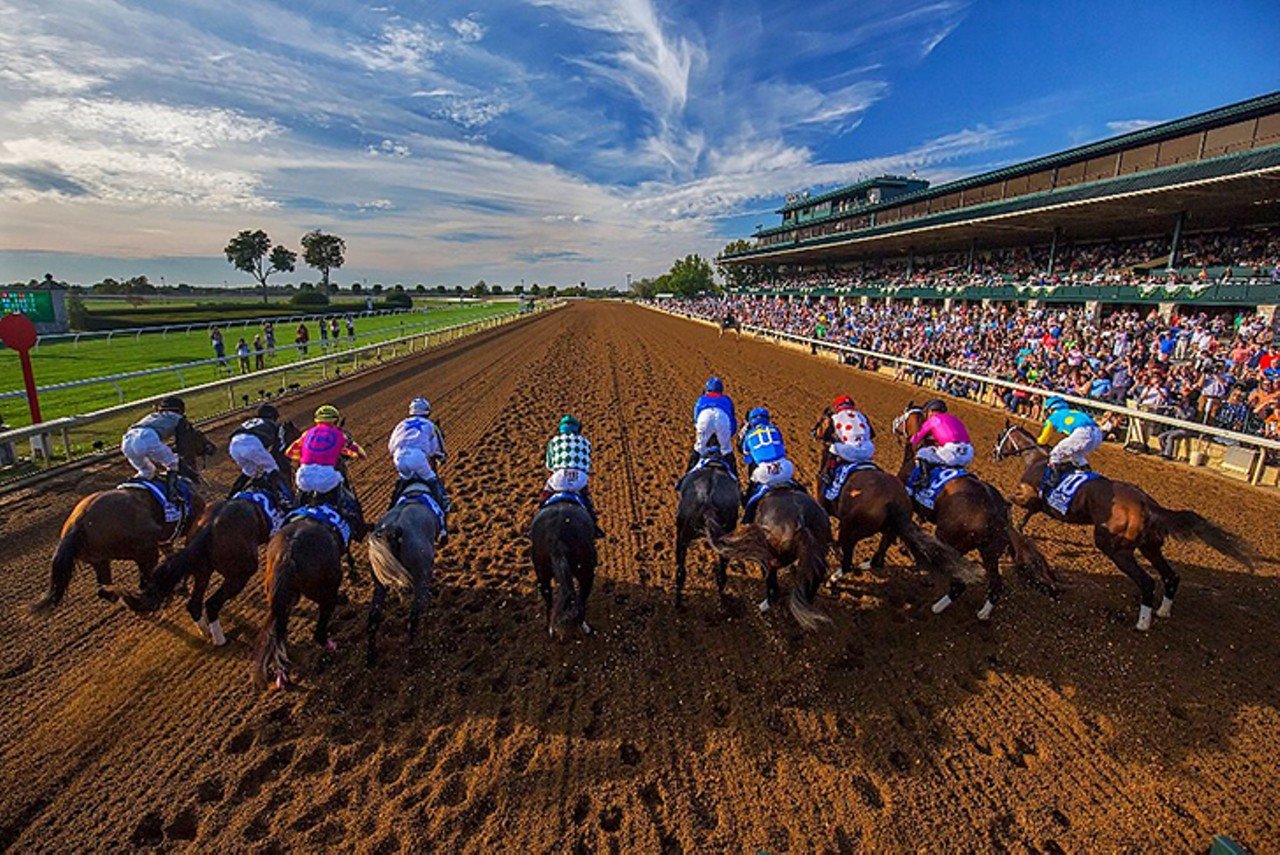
[(173, 513), (755, 497), (1062, 495), (841, 474), (274, 515), (563, 496), (939, 478), (323, 514), (420, 496)]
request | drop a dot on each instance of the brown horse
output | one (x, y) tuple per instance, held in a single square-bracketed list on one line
[(121, 525), (304, 559), (969, 514), (1124, 519), (874, 502), (790, 528), (226, 538)]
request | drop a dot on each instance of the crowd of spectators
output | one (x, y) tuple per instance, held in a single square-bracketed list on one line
[(1212, 367), (1239, 255)]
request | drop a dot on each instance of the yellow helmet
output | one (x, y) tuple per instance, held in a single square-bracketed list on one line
[(327, 413)]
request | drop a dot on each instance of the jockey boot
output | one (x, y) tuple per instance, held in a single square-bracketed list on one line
[(436, 488), (694, 456), (1053, 475), (401, 483), (240, 484), (591, 509), (171, 485), (733, 463), (279, 488)]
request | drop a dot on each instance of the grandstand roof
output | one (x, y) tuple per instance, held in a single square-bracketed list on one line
[(1229, 189)]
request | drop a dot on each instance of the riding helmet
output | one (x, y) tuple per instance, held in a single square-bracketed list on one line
[(758, 416), (327, 413), (843, 402), (715, 384), (935, 405), (568, 424), (174, 404), (1055, 403), (419, 407), (268, 412)]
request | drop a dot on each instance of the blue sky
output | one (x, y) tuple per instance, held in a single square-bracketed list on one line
[(546, 140)]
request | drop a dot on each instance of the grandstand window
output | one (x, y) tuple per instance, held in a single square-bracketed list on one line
[(949, 202), (1101, 167), (1016, 187), (1040, 181), (1071, 174), (985, 193), (1138, 159), (919, 209), (1179, 150), (1237, 137), (1268, 132)]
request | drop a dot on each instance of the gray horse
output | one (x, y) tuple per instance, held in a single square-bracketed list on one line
[(402, 552)]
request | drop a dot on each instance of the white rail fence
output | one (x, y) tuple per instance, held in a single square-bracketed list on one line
[(1250, 466), (71, 438)]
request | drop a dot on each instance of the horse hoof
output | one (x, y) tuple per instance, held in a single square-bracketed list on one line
[(586, 629), (865, 565), (942, 605), (215, 634), (837, 576), (984, 613), (1166, 608), (109, 595), (202, 625), (282, 682), (331, 646), (1144, 619), (763, 605)]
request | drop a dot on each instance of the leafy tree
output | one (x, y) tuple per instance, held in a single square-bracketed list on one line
[(356, 287), (420, 288), (496, 289), (310, 295), (688, 277), (518, 290), (536, 290), (377, 287), (439, 289), (644, 288), (77, 314), (480, 289), (739, 275), (251, 252), (323, 252)]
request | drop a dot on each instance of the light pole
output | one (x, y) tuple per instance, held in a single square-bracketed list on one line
[(628, 281)]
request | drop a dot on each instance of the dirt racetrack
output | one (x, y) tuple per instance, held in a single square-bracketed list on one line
[(1055, 728)]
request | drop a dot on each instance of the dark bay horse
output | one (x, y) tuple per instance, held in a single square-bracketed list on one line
[(226, 539), (402, 552), (790, 528), (710, 500), (564, 550), (304, 559), (872, 502), (121, 525), (969, 514), (1124, 519)]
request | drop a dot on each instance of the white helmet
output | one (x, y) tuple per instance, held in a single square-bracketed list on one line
[(419, 407)]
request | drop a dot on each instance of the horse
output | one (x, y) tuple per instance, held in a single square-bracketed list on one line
[(564, 549), (709, 503), (402, 552), (1124, 519), (790, 528), (304, 559), (970, 514), (874, 502), (729, 322), (122, 524)]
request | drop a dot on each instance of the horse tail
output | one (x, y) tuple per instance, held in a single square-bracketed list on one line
[(565, 611), (710, 524), (383, 542), (747, 544), (271, 658), (189, 560), (1030, 561), (64, 564), (929, 552), (811, 572), (1189, 525)]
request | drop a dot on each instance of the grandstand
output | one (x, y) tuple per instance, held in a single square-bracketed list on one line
[(1184, 211)]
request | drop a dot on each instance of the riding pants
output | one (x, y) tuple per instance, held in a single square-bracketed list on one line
[(411, 461), (858, 451), (315, 478), (773, 473), (957, 455), (1076, 446), (567, 481), (249, 454), (713, 424), (146, 451)]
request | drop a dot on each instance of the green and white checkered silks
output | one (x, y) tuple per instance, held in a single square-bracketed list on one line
[(569, 451)]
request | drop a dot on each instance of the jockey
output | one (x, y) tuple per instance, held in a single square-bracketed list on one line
[(766, 456), (950, 437), (319, 450), (145, 444), (714, 422), (256, 448), (569, 462), (417, 447), (1081, 435), (853, 434)]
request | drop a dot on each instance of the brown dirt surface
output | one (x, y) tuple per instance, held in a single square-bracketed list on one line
[(1055, 728)]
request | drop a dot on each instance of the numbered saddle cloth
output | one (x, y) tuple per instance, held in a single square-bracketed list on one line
[(938, 478), (326, 515), (422, 497), (174, 512), (841, 474), (1062, 495), (274, 515)]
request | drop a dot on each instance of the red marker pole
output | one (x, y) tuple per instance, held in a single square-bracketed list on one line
[(17, 332)]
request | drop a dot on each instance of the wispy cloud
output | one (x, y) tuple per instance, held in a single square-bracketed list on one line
[(469, 29), (405, 49), (1126, 126)]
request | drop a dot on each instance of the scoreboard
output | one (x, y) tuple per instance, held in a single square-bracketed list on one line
[(36, 305)]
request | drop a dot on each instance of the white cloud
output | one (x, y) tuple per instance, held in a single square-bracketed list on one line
[(376, 205), (401, 49), (145, 122), (389, 148), (1126, 126), (469, 30)]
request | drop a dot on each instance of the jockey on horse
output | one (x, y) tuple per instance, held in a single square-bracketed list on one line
[(569, 462), (1081, 436), (257, 447), (714, 422), (951, 447), (851, 433), (417, 447), (319, 450), (145, 443), (766, 456)]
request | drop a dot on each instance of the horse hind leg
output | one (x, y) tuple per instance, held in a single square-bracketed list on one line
[(722, 575), (995, 582), (682, 554), (375, 620), (102, 572), (771, 590), (1123, 558), (230, 587), (1168, 575)]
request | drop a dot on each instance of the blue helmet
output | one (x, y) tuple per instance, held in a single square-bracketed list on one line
[(569, 424), (1055, 403), (758, 416), (715, 384)]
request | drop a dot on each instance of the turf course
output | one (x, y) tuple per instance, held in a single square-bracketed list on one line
[(66, 361)]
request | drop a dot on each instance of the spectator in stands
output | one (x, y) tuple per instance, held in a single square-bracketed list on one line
[(259, 353), (324, 334), (301, 337), (333, 329), (219, 347), (242, 352), (269, 333), (1184, 409), (351, 328)]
